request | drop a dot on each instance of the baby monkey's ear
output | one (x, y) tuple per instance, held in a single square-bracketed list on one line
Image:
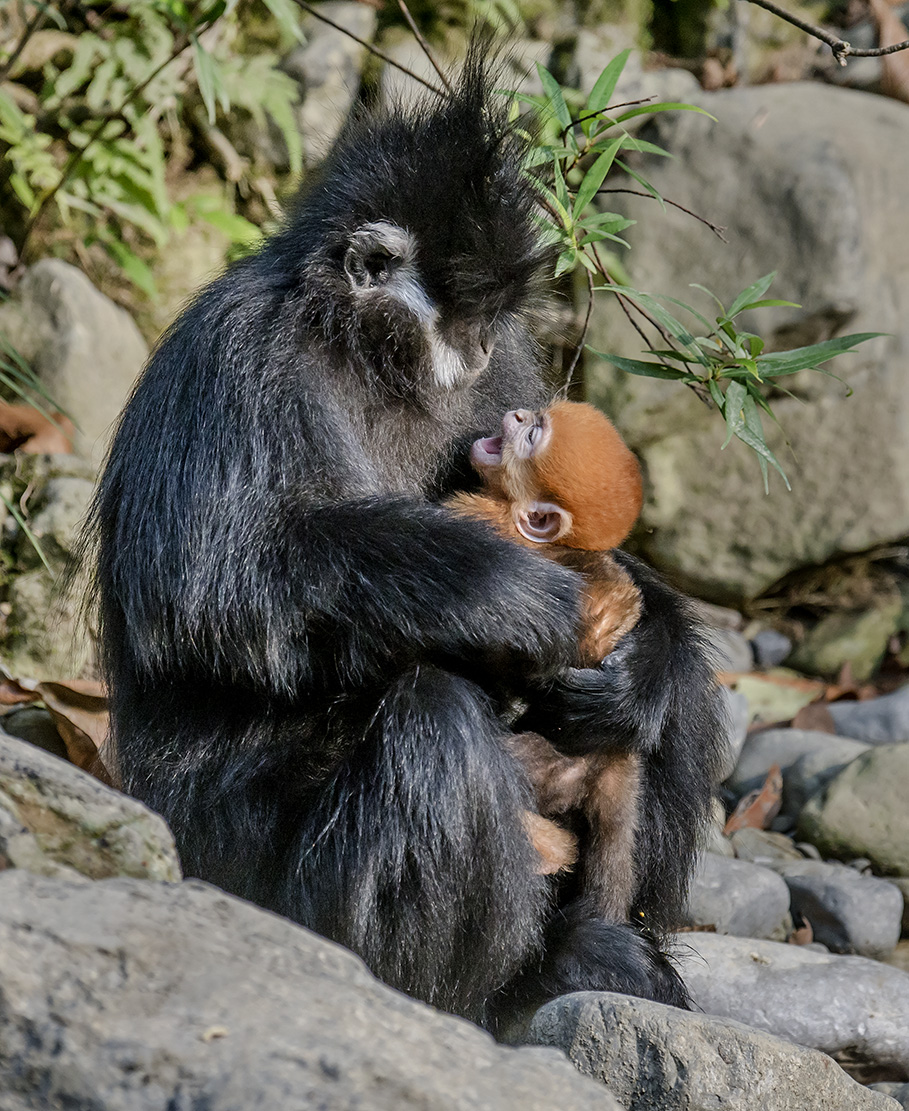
[(542, 521)]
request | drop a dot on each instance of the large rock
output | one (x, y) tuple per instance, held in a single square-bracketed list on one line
[(737, 897), (850, 1007), (864, 811), (848, 912), (657, 1058), (327, 68), (786, 747), (778, 162), (127, 996), (85, 349), (876, 721), (58, 820)]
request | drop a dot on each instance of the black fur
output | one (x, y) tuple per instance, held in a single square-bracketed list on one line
[(299, 644)]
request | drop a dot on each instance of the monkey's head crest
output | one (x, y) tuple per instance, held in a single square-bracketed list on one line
[(426, 211)]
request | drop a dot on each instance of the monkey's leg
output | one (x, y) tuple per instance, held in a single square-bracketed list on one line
[(557, 848), (611, 807), (416, 856)]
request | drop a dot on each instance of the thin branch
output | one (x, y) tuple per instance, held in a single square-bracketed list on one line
[(717, 229), (424, 45), (603, 111), (579, 346), (841, 49), (31, 27), (316, 14)]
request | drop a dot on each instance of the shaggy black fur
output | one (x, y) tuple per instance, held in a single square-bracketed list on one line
[(303, 651)]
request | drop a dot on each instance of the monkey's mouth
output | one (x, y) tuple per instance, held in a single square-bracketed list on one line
[(487, 452)]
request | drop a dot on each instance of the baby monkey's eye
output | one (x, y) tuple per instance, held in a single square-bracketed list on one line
[(532, 433)]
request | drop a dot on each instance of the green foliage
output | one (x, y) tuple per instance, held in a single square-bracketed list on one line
[(578, 144), (108, 106)]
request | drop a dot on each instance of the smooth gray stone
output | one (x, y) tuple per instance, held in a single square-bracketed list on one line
[(737, 716), (864, 811), (764, 847), (785, 747), (737, 897), (848, 1006), (899, 1092), (124, 995), (770, 648), (876, 721), (658, 1058), (848, 912)]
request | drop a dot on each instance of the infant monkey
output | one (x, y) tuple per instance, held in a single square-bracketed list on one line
[(562, 480)]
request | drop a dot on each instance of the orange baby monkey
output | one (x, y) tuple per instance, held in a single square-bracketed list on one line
[(563, 481)]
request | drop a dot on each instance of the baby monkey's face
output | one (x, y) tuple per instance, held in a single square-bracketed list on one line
[(500, 459)]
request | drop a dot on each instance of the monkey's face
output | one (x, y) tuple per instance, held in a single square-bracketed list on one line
[(406, 329)]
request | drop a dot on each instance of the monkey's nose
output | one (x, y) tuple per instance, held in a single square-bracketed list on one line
[(516, 418)]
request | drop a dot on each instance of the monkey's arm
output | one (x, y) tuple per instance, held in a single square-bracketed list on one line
[(659, 678), (379, 582)]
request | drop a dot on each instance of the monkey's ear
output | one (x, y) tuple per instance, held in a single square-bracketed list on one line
[(542, 522), (374, 253)]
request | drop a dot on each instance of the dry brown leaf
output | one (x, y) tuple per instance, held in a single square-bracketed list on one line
[(891, 30), (758, 808), (814, 717), (23, 428), (12, 693), (803, 934), (79, 708)]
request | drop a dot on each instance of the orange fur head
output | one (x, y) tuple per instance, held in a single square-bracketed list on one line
[(567, 475), (589, 470)]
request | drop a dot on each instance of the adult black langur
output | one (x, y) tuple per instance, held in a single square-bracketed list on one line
[(305, 653)]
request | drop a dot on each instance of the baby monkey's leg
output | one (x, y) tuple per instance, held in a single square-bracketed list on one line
[(611, 807)]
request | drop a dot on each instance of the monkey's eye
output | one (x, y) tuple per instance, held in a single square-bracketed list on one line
[(533, 434)]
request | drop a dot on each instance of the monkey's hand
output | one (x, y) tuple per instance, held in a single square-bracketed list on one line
[(389, 581)]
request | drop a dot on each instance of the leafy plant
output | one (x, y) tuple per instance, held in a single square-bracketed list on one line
[(579, 143), (95, 138)]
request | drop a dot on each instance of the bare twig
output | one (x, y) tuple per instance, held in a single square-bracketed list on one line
[(717, 229), (579, 346), (841, 49), (33, 25), (424, 45), (316, 14), (604, 111)]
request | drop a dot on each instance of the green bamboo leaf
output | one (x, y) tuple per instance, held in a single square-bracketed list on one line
[(132, 266), (605, 221), (211, 87), (754, 292), (556, 97), (605, 84), (629, 142), (755, 440), (594, 177), (642, 181), (663, 106), (732, 410), (643, 369), (663, 317), (287, 16), (717, 394), (779, 363), (23, 524), (567, 261), (770, 303)]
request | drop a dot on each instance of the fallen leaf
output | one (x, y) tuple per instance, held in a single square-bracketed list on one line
[(758, 808), (23, 428), (802, 934), (814, 717), (79, 708)]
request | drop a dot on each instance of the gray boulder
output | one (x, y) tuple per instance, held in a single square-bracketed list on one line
[(737, 897), (785, 747), (876, 721), (770, 647), (327, 67), (127, 996), (899, 1092), (777, 162), (658, 1058), (848, 912), (58, 820), (864, 811), (85, 349), (850, 1007)]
